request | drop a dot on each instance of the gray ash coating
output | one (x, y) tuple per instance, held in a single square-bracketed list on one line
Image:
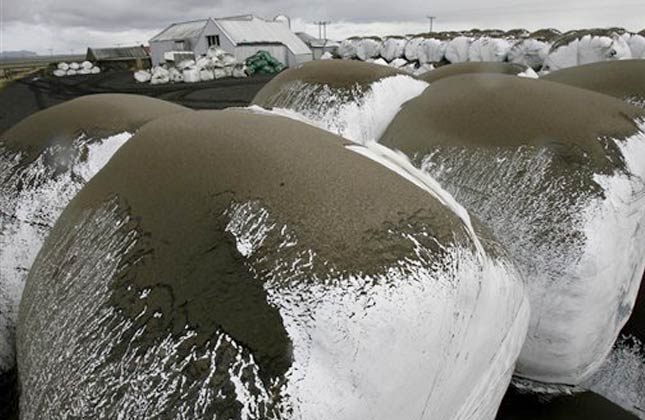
[(623, 79), (178, 267), (492, 110), (345, 75), (94, 115), (472, 67)]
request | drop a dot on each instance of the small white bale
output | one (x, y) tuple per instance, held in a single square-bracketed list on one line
[(71, 72), (393, 48), (327, 56), (142, 76), (593, 49), (228, 60), (457, 49), (63, 66), (529, 52), (215, 52), (636, 44), (87, 65), (204, 62), (487, 49), (95, 70), (186, 64), (206, 75), (239, 71), (191, 75), (412, 49), (368, 48), (175, 75), (74, 66), (347, 49), (60, 73), (219, 73), (431, 50), (83, 71)]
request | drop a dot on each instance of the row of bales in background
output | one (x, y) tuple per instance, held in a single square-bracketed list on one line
[(215, 64), (543, 50)]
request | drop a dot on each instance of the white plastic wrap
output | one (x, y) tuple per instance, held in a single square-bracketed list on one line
[(142, 76), (63, 66), (74, 66), (529, 52), (191, 75), (347, 49), (60, 73), (431, 50), (393, 48), (368, 48), (95, 70), (487, 49), (412, 49), (457, 49), (206, 75)]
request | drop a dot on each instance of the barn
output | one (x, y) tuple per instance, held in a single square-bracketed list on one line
[(131, 58), (241, 36)]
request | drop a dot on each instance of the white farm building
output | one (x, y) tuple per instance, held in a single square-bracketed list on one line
[(241, 36)]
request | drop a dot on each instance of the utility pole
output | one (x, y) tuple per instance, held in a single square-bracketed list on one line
[(431, 19), (321, 24)]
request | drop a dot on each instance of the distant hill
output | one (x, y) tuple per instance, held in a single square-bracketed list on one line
[(17, 54)]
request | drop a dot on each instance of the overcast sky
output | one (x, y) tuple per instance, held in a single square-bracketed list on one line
[(73, 25)]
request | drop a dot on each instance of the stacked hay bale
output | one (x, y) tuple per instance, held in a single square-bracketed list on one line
[(72, 69), (216, 64)]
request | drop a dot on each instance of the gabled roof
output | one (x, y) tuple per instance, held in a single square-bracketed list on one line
[(120, 53), (250, 29), (181, 31)]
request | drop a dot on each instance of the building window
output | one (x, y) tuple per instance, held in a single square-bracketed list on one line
[(213, 40)]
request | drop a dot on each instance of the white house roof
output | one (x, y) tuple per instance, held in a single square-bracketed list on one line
[(253, 30), (181, 31)]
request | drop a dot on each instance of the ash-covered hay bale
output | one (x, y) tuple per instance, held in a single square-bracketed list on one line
[(259, 265), (556, 172)]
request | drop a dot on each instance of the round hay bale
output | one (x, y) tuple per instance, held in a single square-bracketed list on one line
[(554, 171)]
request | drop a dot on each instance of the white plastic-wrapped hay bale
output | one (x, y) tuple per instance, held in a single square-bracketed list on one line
[(160, 76), (585, 47), (380, 61), (71, 72), (593, 49), (327, 56), (431, 50), (487, 49), (206, 75), (239, 71), (204, 62), (393, 48), (457, 49), (74, 66), (347, 48), (185, 64), (368, 48), (60, 73), (87, 65), (215, 52), (142, 76), (220, 73), (63, 66), (191, 75), (412, 49), (529, 52), (228, 71), (95, 70), (228, 60), (175, 75), (83, 71), (636, 44)]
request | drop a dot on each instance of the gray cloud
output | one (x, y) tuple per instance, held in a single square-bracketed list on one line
[(102, 21)]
